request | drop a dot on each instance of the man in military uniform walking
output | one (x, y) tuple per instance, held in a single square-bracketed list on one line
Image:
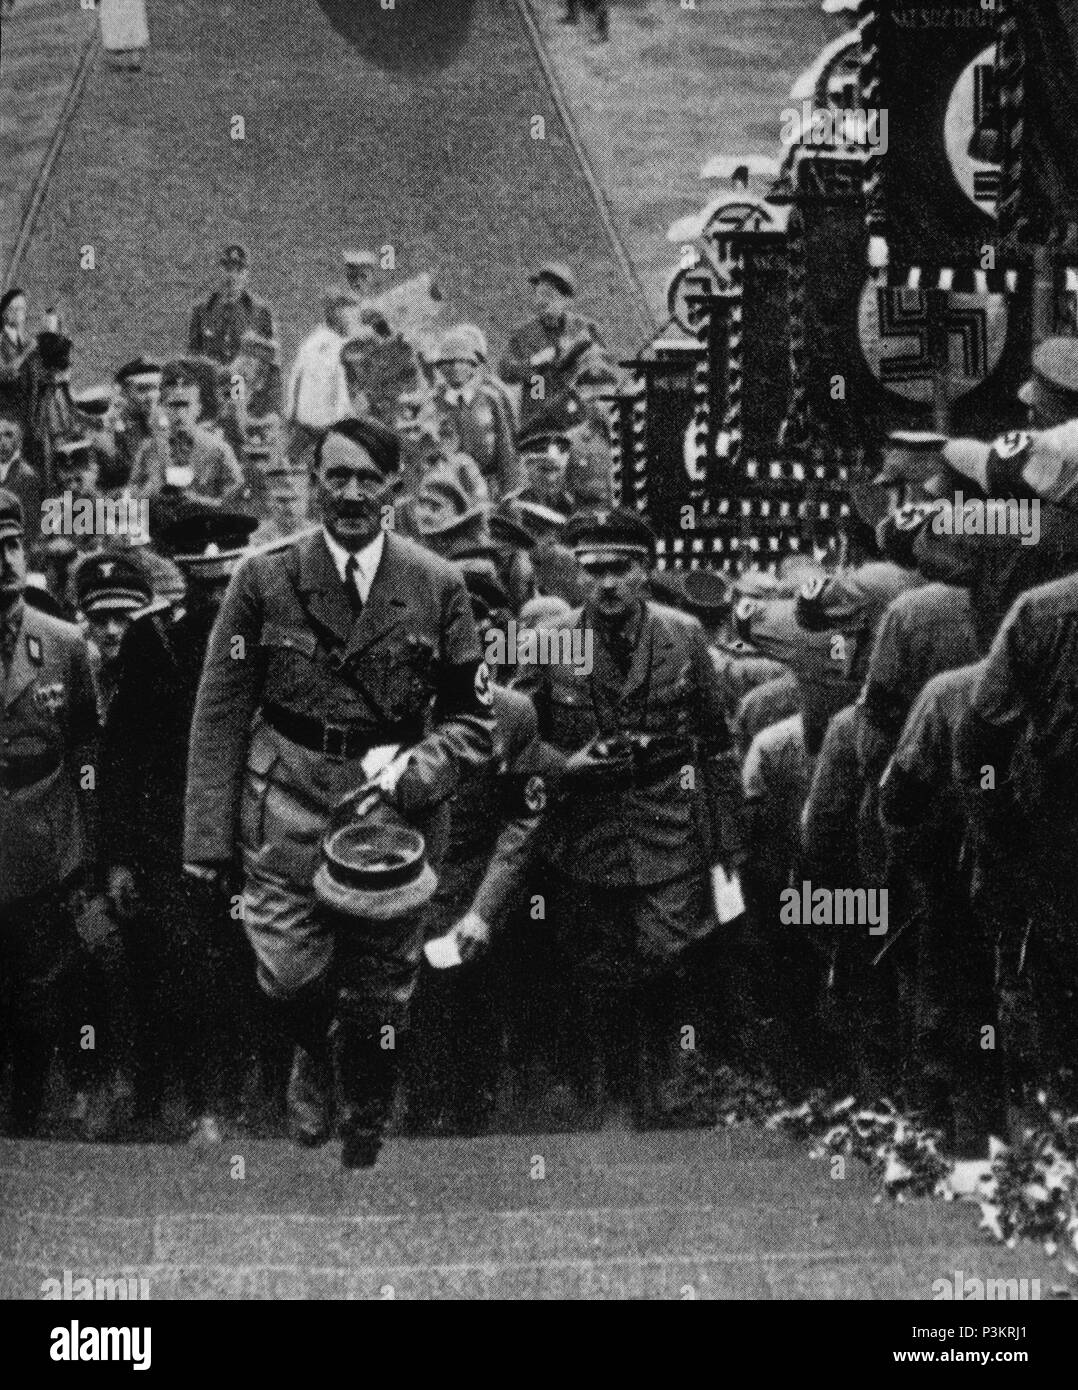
[(175, 928), (478, 414), (48, 728), (219, 322), (645, 799), (457, 1050), (546, 353), (350, 639)]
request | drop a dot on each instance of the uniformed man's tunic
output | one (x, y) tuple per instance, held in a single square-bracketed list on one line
[(48, 728), (48, 725), (552, 355), (945, 959), (296, 689), (484, 426), (635, 858), (1022, 724), (184, 950), (458, 1039), (219, 323)]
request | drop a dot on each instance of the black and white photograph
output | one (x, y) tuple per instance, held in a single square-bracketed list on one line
[(538, 666)]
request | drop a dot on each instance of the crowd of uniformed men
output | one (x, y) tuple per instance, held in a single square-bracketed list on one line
[(388, 672)]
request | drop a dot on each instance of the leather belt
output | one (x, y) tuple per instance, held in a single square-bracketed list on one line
[(18, 774), (338, 742)]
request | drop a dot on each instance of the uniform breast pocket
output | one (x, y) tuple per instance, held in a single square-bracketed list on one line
[(572, 719), (290, 654), (668, 710), (404, 679)]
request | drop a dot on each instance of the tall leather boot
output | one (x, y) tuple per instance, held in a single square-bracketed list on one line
[(306, 1019), (367, 1083), (31, 1056)]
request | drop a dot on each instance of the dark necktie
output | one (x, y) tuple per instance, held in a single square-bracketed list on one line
[(621, 649), (351, 570)]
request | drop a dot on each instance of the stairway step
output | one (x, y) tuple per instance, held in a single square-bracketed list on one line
[(557, 1234), (861, 1273), (283, 1180)]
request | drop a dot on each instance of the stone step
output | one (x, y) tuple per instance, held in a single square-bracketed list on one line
[(857, 1274), (409, 1175), (557, 1233)]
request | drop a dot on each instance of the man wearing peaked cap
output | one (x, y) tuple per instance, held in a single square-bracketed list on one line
[(48, 729), (545, 354), (139, 417), (545, 458), (995, 568), (1051, 393), (360, 268), (606, 531), (365, 641), (910, 459), (109, 590), (801, 633), (632, 845), (219, 322), (557, 274), (194, 1006)]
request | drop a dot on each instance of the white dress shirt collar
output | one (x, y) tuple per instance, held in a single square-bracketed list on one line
[(367, 560)]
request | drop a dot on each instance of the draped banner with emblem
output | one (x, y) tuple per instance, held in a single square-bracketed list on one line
[(1042, 127), (940, 168), (866, 362), (765, 344), (670, 395)]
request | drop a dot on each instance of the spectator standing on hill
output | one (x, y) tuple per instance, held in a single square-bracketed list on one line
[(219, 323)]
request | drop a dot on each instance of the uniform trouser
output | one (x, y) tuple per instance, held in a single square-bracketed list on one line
[(104, 998), (39, 959), (622, 990), (1037, 972), (343, 988), (455, 1043), (194, 1010)]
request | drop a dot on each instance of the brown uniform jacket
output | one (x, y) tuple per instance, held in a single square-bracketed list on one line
[(484, 425), (218, 324), (217, 473), (493, 822), (567, 344), (48, 728), (406, 670), (675, 819)]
